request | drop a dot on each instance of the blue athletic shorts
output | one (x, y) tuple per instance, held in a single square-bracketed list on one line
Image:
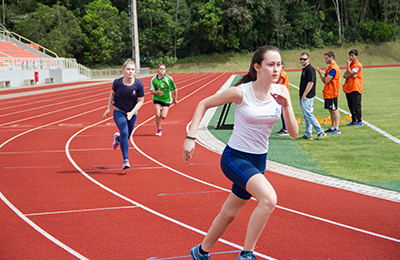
[(239, 167)]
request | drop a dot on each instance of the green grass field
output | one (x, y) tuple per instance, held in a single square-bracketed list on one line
[(358, 154), (373, 54)]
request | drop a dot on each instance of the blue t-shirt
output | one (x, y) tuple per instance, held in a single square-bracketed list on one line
[(126, 97), (331, 73)]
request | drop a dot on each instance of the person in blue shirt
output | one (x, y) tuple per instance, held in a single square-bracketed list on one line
[(127, 97)]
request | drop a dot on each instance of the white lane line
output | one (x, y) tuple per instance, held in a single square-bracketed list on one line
[(49, 105), (134, 202), (377, 129), (19, 213), (49, 113), (280, 207), (79, 211), (164, 166), (35, 92), (40, 230)]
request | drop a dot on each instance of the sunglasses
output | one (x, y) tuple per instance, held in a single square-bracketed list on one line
[(303, 59)]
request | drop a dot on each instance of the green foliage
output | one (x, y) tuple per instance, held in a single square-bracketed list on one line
[(55, 27), (99, 31), (378, 31), (105, 28), (160, 57), (159, 28)]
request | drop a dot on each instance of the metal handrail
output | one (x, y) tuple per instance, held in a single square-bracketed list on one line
[(13, 63), (5, 54), (22, 39)]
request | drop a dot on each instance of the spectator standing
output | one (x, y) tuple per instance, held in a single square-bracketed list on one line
[(353, 87), (331, 79), (164, 91), (284, 80), (307, 96)]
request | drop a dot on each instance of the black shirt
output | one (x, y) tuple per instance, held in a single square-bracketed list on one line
[(307, 75)]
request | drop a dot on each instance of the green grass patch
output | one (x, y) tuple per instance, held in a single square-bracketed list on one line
[(372, 54), (359, 154)]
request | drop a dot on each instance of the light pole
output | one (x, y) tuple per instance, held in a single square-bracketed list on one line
[(135, 36), (176, 21), (4, 16)]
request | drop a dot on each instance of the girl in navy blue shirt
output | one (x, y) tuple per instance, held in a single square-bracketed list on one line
[(128, 96)]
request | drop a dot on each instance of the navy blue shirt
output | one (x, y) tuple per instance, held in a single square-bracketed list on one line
[(126, 97)]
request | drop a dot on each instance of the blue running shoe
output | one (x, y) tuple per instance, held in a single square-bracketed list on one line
[(329, 130), (352, 123), (336, 132), (196, 255), (246, 256), (359, 124)]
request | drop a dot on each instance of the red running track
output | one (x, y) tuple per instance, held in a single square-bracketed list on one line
[(63, 195)]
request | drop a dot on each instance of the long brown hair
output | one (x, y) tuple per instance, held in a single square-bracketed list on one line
[(257, 58)]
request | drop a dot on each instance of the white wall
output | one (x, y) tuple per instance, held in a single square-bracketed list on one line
[(19, 77)]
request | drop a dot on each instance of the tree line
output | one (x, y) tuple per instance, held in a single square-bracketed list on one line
[(98, 32)]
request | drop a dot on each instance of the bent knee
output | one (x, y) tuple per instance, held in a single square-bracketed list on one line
[(228, 217), (269, 203)]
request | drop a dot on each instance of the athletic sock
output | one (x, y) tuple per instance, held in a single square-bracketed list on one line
[(243, 253), (202, 251)]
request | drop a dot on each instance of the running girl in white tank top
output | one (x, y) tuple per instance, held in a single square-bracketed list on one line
[(259, 103)]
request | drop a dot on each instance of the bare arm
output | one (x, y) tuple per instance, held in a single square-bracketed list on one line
[(349, 73), (284, 100), (233, 94), (138, 105), (324, 79), (308, 89), (110, 100), (175, 100)]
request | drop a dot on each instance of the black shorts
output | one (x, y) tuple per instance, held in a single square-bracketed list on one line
[(161, 103), (331, 103)]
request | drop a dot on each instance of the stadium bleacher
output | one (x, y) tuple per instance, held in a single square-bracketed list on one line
[(9, 49)]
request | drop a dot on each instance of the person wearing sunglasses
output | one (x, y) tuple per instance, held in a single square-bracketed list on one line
[(307, 96)]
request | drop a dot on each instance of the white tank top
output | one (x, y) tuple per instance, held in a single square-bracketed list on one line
[(254, 120)]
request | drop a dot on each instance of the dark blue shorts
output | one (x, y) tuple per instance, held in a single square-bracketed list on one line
[(239, 167)]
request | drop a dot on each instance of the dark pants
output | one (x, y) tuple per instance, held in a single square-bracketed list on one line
[(354, 103)]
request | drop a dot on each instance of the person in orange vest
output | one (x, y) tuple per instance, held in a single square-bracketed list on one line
[(284, 80), (353, 87), (331, 79)]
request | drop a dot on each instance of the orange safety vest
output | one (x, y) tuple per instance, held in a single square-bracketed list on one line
[(285, 78), (331, 89), (354, 84)]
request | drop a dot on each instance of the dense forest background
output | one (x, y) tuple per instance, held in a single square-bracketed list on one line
[(97, 32)]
